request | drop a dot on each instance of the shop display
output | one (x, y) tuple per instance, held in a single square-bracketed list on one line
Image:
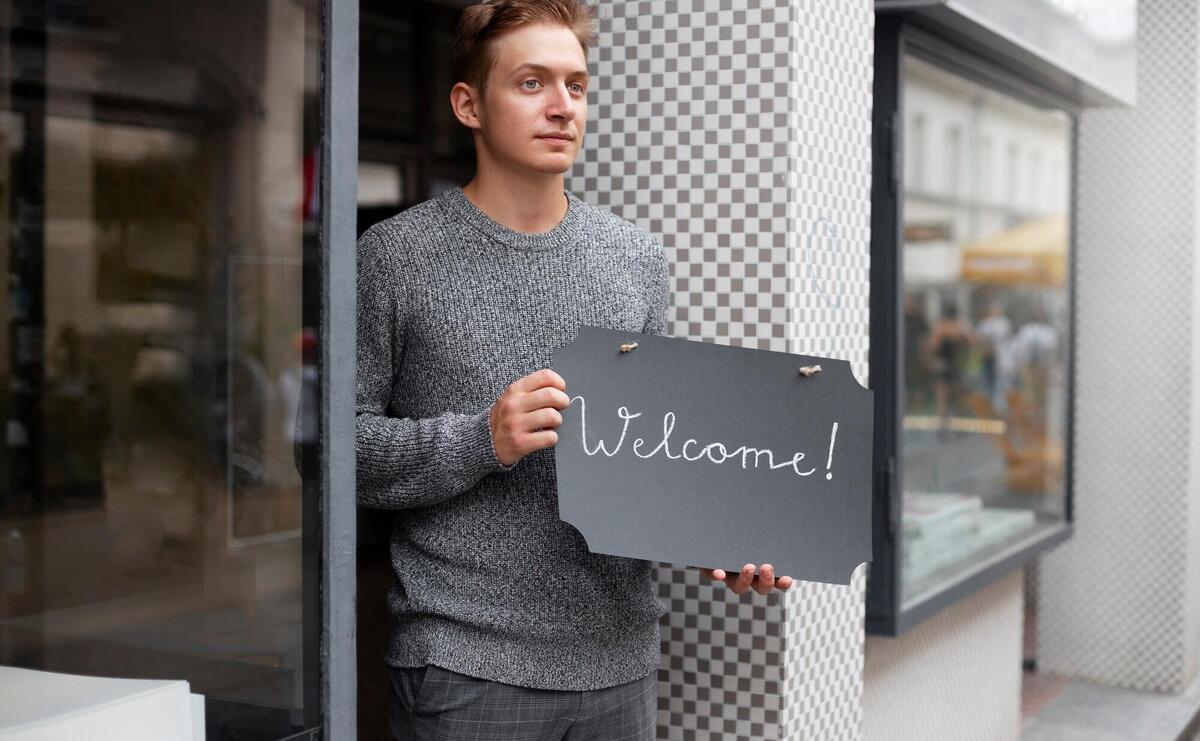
[(941, 529)]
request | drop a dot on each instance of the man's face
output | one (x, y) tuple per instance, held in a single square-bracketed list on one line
[(535, 105)]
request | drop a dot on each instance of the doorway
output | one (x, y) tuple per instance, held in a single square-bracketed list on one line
[(410, 149)]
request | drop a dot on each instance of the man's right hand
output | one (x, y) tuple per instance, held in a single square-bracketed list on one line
[(525, 416)]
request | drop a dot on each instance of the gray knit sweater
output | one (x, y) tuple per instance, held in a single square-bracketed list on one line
[(452, 308)]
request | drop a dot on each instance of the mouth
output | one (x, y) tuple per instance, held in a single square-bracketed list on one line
[(556, 138)]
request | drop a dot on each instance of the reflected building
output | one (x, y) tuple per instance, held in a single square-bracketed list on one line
[(157, 243), (985, 239)]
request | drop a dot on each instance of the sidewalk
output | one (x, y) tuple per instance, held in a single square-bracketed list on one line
[(1082, 711)]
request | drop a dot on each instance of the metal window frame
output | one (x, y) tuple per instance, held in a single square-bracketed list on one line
[(336, 369), (897, 36)]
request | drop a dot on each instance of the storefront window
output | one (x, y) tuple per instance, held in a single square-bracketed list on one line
[(986, 324), (158, 257)]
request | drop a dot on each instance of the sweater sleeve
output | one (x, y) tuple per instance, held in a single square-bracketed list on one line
[(404, 462), (657, 318)]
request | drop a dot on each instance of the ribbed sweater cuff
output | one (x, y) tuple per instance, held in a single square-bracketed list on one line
[(481, 439)]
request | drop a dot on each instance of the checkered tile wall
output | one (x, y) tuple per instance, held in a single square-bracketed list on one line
[(1115, 602), (739, 131)]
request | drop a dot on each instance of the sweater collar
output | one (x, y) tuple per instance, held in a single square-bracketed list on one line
[(563, 235)]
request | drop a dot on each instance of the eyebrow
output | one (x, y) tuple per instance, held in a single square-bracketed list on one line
[(543, 68)]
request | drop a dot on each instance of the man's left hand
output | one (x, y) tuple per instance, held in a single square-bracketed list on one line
[(741, 582)]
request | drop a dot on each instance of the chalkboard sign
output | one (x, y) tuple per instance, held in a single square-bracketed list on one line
[(708, 455)]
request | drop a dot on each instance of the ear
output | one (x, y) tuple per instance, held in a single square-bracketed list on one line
[(464, 101)]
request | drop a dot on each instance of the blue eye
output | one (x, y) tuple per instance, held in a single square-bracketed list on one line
[(576, 87)]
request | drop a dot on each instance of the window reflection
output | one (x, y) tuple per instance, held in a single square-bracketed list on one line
[(985, 325), (157, 254)]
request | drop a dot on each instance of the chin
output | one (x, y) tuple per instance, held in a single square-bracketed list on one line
[(556, 166)]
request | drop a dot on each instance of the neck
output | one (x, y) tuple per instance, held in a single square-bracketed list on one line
[(529, 204)]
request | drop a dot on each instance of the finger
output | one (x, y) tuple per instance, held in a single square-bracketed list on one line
[(539, 379), (559, 399), (556, 380), (714, 574), (537, 440), (553, 398), (544, 398), (546, 419), (766, 579), (743, 580), (784, 583)]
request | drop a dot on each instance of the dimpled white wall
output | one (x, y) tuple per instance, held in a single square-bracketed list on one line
[(1118, 602)]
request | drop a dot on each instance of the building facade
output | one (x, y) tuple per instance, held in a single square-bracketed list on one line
[(986, 208)]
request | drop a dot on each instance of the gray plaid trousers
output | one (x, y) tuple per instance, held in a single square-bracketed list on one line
[(435, 704)]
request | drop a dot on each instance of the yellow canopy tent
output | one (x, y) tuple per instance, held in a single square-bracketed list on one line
[(1032, 253)]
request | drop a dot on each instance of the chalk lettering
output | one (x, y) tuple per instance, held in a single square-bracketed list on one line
[(709, 451), (623, 413)]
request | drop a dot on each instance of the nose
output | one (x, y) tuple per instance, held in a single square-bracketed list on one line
[(560, 104)]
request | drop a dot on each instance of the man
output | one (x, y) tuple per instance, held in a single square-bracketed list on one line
[(995, 335), (504, 626)]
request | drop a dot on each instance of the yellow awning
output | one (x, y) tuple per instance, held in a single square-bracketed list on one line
[(1033, 253)]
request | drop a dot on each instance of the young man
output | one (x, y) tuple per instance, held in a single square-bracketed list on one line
[(504, 626)]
